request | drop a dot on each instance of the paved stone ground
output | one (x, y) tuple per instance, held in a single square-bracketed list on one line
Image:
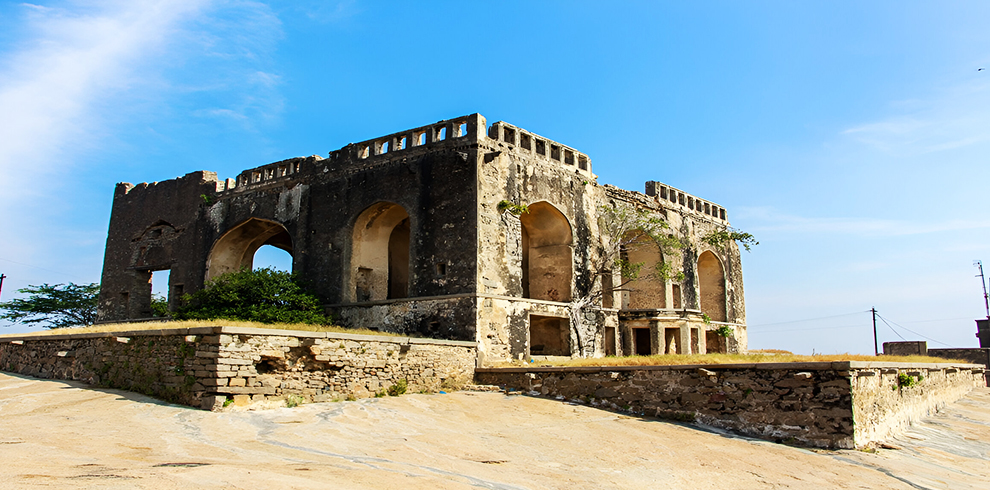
[(66, 435)]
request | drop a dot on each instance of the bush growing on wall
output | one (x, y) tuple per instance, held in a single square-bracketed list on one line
[(262, 295)]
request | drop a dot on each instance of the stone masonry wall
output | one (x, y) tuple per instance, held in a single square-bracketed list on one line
[(204, 367), (820, 404)]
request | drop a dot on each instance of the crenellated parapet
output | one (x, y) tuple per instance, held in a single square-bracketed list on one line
[(673, 197), (539, 148)]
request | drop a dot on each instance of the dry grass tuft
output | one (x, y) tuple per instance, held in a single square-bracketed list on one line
[(752, 357), (173, 324)]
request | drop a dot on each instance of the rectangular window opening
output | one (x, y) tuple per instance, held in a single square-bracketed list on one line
[(555, 152), (508, 135), (541, 147), (441, 269), (708, 209), (583, 162), (384, 147), (663, 193), (568, 157), (462, 130), (526, 141), (721, 213), (442, 133), (549, 336), (401, 145), (364, 151), (419, 138), (255, 176)]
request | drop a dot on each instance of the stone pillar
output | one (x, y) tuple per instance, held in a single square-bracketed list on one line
[(684, 342)]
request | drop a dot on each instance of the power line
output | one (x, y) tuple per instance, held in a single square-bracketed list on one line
[(912, 331), (809, 319), (884, 320), (62, 273), (752, 332)]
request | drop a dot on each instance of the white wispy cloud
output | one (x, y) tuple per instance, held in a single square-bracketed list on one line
[(769, 219), (80, 73), (954, 117)]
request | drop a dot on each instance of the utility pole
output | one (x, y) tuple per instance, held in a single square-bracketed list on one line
[(1, 282), (983, 282), (876, 349)]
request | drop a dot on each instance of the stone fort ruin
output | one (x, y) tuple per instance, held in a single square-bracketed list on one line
[(403, 234)]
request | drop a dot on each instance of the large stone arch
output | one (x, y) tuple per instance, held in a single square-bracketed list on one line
[(235, 249), (711, 282), (379, 265), (547, 257), (646, 290)]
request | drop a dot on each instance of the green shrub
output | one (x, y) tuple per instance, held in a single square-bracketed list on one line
[(906, 381), (399, 388), (159, 306), (262, 295)]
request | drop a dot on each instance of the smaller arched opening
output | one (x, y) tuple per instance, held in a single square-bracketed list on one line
[(546, 260), (380, 254), (235, 249), (711, 282), (645, 288)]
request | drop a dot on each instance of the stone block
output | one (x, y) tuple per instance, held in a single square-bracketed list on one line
[(242, 400), (212, 402)]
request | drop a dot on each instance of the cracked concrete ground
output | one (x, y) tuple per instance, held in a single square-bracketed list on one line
[(68, 435)]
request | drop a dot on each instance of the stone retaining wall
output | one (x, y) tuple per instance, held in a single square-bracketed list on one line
[(204, 367), (821, 404)]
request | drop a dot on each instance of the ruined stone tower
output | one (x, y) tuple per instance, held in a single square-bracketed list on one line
[(402, 233)]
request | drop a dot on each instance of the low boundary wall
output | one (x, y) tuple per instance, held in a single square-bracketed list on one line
[(979, 355), (205, 367), (821, 404)]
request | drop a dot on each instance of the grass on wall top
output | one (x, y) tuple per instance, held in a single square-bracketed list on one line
[(176, 324)]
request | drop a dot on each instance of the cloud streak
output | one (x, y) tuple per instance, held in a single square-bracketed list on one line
[(768, 219), (955, 118), (80, 80)]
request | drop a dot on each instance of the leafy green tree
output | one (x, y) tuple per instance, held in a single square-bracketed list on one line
[(720, 238), (261, 295), (621, 226), (159, 306), (54, 306)]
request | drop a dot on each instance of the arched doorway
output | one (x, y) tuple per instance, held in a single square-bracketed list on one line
[(645, 290), (379, 266), (711, 282), (546, 247), (235, 249)]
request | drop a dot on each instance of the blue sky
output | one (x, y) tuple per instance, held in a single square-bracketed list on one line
[(851, 139)]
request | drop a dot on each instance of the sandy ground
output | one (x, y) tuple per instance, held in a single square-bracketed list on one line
[(67, 435)]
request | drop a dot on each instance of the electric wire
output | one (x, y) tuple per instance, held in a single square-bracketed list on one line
[(912, 331), (756, 332), (891, 328), (62, 273), (809, 319)]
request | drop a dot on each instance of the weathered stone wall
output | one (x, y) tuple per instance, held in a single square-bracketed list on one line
[(821, 404), (975, 355), (204, 366), (403, 233), (890, 396), (907, 348)]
